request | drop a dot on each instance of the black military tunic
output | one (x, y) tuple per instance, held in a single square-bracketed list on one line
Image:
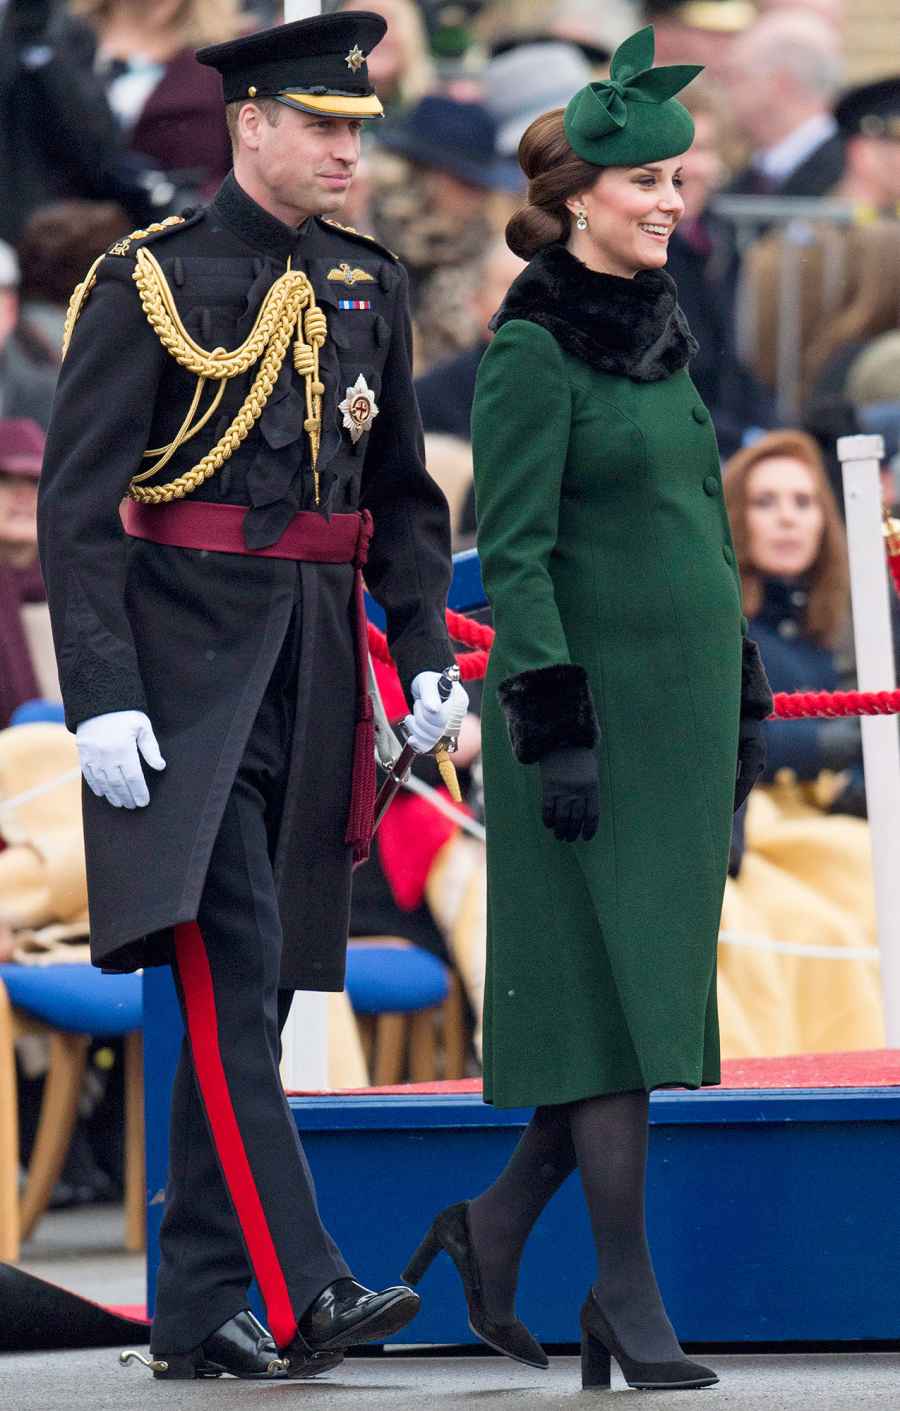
[(192, 637)]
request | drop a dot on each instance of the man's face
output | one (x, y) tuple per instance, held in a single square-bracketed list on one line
[(18, 518), (304, 163), (9, 310), (876, 160)]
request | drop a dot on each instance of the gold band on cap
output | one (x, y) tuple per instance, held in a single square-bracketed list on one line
[(333, 105), (726, 16)]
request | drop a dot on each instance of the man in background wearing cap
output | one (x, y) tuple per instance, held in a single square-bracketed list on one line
[(228, 624), (869, 120)]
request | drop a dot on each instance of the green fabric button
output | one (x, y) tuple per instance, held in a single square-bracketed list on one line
[(700, 415), (711, 485), (728, 553)]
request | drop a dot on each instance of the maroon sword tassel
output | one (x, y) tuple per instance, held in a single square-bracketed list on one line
[(362, 797)]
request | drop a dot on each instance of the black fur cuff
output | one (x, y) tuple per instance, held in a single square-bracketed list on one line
[(547, 709), (756, 693)]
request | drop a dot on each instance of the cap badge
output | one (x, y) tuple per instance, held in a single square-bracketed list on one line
[(355, 59), (359, 408), (343, 274)]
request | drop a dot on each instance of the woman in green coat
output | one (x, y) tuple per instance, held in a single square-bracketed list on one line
[(622, 704)]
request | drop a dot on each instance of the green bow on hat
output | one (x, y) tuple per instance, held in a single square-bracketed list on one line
[(632, 117)]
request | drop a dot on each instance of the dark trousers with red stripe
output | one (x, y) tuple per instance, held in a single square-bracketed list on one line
[(240, 1197)]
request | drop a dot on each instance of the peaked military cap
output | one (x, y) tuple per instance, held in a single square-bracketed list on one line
[(632, 118), (871, 110), (317, 65)]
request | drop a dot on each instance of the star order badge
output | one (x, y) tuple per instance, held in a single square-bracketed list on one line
[(355, 59), (359, 408)]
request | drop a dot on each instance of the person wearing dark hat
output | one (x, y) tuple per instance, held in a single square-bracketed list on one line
[(241, 375), (869, 119), (433, 172), (621, 717)]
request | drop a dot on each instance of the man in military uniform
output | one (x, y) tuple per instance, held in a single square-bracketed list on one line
[(242, 374)]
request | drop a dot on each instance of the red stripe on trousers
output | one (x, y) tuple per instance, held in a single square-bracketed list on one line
[(203, 1029)]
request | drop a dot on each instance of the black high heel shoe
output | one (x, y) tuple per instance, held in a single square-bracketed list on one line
[(450, 1232), (599, 1343)]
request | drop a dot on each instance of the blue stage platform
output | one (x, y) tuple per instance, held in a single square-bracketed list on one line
[(771, 1213)]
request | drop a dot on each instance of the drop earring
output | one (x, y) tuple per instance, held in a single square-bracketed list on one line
[(582, 221)]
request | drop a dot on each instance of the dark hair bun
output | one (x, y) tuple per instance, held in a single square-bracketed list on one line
[(531, 228)]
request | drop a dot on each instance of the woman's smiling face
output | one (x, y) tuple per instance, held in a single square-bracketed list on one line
[(631, 213)]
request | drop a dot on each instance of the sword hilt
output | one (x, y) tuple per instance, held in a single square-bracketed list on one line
[(447, 680)]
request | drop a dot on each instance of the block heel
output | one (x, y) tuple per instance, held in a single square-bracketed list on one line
[(599, 1343), (182, 1368), (596, 1364)]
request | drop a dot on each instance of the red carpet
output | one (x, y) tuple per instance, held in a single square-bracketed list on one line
[(875, 1068)]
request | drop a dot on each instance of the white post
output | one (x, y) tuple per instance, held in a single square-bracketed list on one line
[(304, 1057), (304, 1042), (301, 9), (860, 457)]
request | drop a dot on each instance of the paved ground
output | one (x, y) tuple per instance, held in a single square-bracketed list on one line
[(92, 1381), (81, 1249)]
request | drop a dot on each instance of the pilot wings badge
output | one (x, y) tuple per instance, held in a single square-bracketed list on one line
[(359, 408), (344, 274)]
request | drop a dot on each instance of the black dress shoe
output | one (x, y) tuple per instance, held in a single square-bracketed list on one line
[(242, 1347), (346, 1313)]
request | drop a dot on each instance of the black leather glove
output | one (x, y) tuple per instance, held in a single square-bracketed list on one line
[(751, 759), (571, 792)]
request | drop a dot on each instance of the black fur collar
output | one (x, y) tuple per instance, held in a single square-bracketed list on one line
[(629, 327)]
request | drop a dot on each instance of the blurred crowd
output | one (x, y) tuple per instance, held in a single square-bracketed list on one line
[(787, 262)]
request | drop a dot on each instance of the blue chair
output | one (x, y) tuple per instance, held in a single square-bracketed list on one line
[(30, 711), (69, 1005), (399, 992)]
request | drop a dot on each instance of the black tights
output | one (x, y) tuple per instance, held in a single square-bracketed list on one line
[(606, 1138)]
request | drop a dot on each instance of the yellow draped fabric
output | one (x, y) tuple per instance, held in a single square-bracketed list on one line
[(798, 961)]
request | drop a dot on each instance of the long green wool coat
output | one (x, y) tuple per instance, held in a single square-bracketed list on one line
[(604, 542)]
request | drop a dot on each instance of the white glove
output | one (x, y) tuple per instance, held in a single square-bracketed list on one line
[(108, 749), (432, 718)]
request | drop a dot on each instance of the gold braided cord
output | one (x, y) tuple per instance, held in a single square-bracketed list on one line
[(291, 290), (82, 290), (187, 431), (281, 313), (76, 303)]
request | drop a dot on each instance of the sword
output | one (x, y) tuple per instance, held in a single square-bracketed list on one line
[(398, 770)]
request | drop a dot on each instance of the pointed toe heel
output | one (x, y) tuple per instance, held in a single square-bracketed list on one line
[(596, 1364), (450, 1231)]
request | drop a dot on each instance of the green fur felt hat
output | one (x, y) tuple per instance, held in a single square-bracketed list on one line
[(632, 117)]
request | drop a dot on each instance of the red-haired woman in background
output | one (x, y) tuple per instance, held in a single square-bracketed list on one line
[(805, 875)]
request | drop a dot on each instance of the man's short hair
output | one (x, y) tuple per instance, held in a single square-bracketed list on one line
[(270, 108)]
